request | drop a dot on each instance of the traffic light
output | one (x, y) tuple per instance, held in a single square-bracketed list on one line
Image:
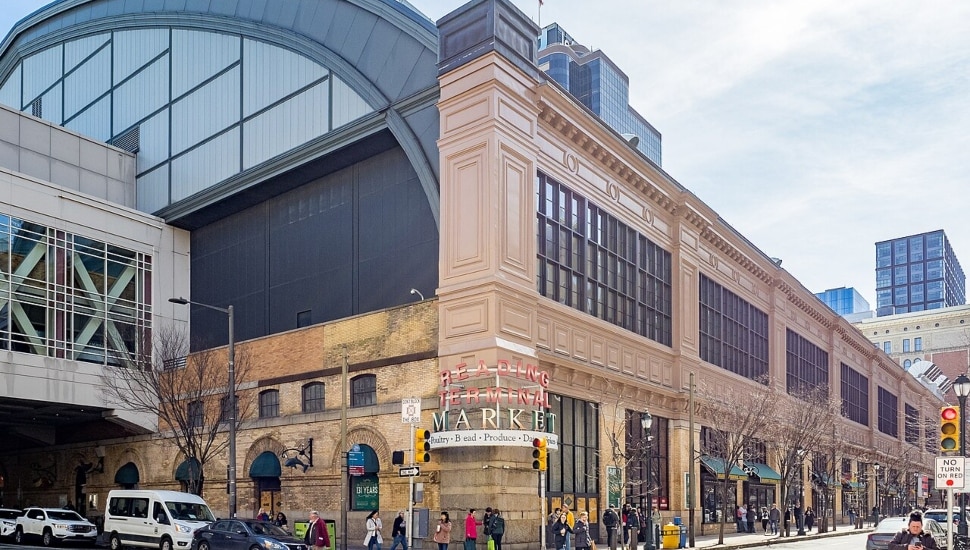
[(421, 445), (949, 429), (540, 453)]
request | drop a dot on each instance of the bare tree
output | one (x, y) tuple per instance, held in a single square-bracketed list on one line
[(733, 421), (627, 449), (796, 431), (187, 393)]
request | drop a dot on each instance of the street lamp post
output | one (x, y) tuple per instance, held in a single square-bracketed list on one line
[(231, 473), (646, 421), (961, 387), (878, 506), (800, 510)]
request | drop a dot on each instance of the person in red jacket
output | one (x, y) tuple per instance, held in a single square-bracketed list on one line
[(316, 533), (913, 538), (471, 530)]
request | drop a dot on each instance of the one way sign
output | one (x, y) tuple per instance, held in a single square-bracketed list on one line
[(413, 471), (950, 472)]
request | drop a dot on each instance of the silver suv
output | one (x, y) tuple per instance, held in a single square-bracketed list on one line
[(52, 525), (8, 521)]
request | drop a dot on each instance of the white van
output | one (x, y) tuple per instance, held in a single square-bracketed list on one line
[(154, 519)]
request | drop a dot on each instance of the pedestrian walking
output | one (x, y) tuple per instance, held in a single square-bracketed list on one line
[(633, 524), (559, 529), (317, 535), (809, 519), (626, 527), (399, 531), (657, 518), (764, 520), (773, 516), (611, 520), (581, 530), (373, 523), (750, 516)]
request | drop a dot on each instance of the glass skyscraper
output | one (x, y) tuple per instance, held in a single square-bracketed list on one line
[(844, 301), (916, 273), (598, 84)]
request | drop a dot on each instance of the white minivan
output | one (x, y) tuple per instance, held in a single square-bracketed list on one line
[(154, 519)]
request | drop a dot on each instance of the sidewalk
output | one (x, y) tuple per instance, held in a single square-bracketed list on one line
[(733, 539)]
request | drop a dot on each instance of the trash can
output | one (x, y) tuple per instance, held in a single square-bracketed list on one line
[(671, 536)]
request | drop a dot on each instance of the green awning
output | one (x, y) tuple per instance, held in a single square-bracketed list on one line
[(188, 470), (266, 465), (764, 472), (127, 474), (716, 467)]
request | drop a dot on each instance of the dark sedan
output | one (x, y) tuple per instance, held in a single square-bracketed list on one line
[(244, 534)]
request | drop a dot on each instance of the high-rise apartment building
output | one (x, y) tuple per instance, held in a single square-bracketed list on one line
[(916, 273), (597, 83), (844, 301)]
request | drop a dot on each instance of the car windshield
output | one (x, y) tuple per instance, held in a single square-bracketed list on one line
[(891, 525), (189, 511), (66, 515), (267, 529), (9, 514)]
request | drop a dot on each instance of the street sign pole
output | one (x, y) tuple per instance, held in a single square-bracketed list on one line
[(949, 518), (411, 414)]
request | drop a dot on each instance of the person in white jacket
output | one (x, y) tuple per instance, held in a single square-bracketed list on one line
[(373, 540)]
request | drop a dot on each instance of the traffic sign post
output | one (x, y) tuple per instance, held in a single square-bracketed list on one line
[(950, 475), (410, 414)]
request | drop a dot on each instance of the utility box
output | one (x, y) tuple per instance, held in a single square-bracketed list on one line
[(419, 527)]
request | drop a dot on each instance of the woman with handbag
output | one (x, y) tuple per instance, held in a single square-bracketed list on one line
[(442, 532), (581, 530), (374, 526)]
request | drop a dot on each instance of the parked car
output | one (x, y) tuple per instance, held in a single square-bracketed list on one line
[(884, 532), (939, 514), (8, 521), (52, 525), (244, 534)]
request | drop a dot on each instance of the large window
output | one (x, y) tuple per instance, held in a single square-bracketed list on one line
[(71, 297), (733, 333), (363, 390), (269, 404), (574, 469), (196, 414), (589, 260), (313, 397), (888, 412), (638, 471), (912, 425), (855, 395), (807, 365)]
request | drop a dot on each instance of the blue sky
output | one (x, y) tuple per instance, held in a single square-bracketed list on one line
[(814, 128)]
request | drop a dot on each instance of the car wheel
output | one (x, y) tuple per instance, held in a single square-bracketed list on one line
[(115, 542), (18, 537), (204, 546), (255, 547), (166, 544), (47, 539)]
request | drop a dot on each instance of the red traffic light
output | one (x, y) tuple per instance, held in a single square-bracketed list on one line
[(537, 442), (949, 413)]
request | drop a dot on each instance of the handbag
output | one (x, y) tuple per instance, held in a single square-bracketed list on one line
[(592, 544), (491, 544)]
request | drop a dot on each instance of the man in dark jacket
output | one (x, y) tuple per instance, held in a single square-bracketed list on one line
[(913, 538), (611, 520)]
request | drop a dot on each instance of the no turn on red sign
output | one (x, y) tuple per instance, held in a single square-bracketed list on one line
[(950, 472)]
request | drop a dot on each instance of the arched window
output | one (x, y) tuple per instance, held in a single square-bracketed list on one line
[(269, 403), (363, 390), (365, 489), (313, 397), (907, 363)]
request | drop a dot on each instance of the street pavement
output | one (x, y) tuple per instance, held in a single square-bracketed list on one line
[(733, 539)]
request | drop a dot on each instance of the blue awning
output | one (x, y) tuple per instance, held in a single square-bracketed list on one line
[(266, 465), (127, 474)]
